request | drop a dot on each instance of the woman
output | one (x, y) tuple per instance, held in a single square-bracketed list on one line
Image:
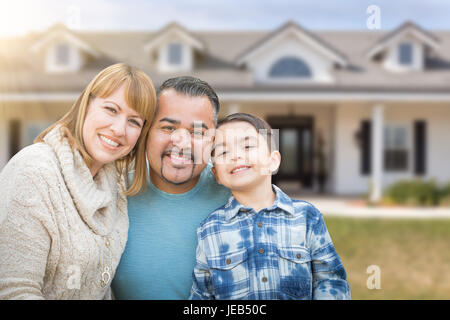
[(64, 198)]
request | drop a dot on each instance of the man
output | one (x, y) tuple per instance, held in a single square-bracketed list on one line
[(160, 254)]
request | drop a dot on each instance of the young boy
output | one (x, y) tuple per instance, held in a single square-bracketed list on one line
[(261, 244)]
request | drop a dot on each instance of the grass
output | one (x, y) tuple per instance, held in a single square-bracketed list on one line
[(413, 256)]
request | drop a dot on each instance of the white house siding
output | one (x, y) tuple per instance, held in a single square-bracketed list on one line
[(437, 117), (348, 177)]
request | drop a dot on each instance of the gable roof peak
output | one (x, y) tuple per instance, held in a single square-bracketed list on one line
[(60, 31), (190, 38), (58, 26), (315, 40), (425, 36), (173, 24), (292, 23)]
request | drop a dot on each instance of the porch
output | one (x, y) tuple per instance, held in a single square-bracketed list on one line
[(352, 147)]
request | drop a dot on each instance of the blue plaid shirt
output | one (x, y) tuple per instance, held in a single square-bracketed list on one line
[(281, 252)]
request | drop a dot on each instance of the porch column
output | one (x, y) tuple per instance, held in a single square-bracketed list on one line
[(377, 153)]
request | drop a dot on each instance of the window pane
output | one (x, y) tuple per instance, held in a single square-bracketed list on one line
[(395, 137), (400, 138), (395, 160), (396, 148), (290, 67), (387, 137), (62, 54), (405, 53), (306, 136), (289, 145), (174, 53)]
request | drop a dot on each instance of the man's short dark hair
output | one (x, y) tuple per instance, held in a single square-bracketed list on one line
[(193, 87), (261, 126)]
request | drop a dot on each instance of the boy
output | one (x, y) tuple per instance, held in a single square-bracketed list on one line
[(261, 244)]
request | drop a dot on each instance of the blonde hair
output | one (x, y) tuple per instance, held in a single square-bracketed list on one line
[(140, 95)]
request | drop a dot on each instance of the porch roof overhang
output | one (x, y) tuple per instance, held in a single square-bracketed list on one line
[(336, 95), (278, 94)]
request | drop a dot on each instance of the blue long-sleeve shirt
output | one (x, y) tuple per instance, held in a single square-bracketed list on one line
[(160, 253), (280, 252)]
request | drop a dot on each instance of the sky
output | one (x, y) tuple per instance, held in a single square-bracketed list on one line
[(17, 17)]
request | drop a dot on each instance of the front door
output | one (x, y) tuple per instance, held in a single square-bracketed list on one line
[(296, 147)]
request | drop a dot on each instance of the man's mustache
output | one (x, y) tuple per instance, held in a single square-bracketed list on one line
[(187, 153)]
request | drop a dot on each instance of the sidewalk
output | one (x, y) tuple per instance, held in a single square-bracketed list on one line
[(331, 205)]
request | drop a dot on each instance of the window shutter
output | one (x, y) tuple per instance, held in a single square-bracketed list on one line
[(366, 146), (420, 147), (15, 128)]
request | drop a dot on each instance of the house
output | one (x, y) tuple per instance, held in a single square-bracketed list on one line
[(361, 108)]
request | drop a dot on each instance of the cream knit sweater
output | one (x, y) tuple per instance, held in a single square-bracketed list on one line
[(59, 227)]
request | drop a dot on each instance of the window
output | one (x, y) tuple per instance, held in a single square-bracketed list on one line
[(32, 130), (175, 54), (62, 55), (405, 51), (395, 148), (290, 67)]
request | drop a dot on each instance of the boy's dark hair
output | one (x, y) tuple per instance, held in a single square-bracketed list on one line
[(193, 87), (261, 126)]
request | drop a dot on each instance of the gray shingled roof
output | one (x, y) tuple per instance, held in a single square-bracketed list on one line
[(22, 71)]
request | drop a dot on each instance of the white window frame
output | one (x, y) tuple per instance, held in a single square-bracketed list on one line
[(73, 59), (392, 127)]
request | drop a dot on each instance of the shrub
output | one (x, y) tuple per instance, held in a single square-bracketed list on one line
[(414, 192), (444, 195)]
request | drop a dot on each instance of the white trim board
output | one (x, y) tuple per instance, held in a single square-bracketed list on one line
[(267, 96), (334, 96)]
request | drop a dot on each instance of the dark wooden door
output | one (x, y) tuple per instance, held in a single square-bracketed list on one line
[(296, 146)]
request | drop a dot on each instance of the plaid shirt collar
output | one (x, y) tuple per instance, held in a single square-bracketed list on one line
[(282, 201)]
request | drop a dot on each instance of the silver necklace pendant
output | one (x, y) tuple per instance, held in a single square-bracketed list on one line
[(106, 276)]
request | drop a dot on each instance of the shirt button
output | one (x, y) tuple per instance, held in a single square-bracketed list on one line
[(264, 279), (260, 224), (261, 250), (299, 255), (228, 261)]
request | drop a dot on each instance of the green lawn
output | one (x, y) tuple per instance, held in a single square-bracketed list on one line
[(413, 255)]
